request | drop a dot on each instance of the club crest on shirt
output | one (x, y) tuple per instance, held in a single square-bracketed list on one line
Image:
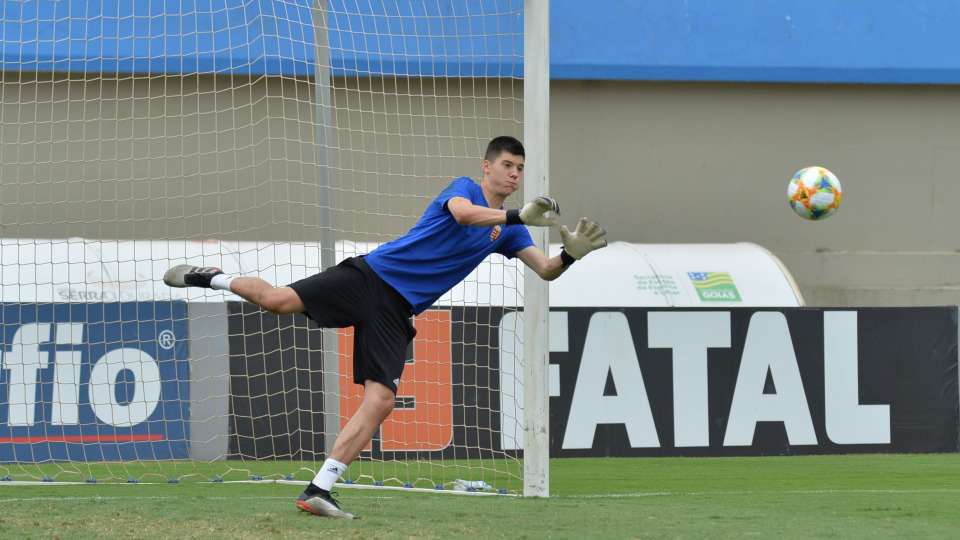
[(495, 233)]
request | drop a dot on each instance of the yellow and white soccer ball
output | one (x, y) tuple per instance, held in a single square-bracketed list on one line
[(814, 193)]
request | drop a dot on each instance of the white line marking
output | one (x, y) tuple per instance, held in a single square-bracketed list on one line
[(338, 485), (392, 491), (787, 492)]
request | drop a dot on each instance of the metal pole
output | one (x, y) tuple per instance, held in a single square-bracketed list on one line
[(328, 255), (536, 314)]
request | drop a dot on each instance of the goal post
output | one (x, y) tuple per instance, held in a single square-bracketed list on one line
[(326, 203), (536, 88), (270, 138)]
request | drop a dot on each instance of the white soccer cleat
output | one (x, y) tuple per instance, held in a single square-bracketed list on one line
[(322, 505)]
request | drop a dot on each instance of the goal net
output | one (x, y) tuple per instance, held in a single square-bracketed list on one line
[(269, 138)]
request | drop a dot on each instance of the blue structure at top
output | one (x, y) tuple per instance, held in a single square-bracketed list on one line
[(157, 36), (257, 37), (849, 41), (864, 41)]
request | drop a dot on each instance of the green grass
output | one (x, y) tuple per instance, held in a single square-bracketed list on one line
[(504, 474), (854, 496)]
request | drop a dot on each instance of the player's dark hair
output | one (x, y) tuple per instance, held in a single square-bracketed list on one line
[(501, 144)]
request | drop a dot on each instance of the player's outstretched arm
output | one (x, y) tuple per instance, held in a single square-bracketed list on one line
[(548, 268), (534, 213)]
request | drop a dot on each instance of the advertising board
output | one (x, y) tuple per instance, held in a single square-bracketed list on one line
[(92, 382), (744, 381), (665, 382)]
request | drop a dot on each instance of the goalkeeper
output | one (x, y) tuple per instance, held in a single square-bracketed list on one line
[(378, 293)]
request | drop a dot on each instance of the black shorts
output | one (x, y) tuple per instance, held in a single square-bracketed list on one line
[(352, 294)]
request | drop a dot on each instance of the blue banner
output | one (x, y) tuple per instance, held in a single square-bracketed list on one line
[(869, 41), (806, 41), (262, 37), (426, 38), (256, 37), (94, 382)]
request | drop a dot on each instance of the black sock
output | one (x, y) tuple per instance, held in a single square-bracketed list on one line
[(312, 489)]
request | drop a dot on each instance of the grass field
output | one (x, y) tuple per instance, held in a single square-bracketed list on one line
[(853, 496)]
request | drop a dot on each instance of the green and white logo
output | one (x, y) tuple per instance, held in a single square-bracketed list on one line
[(714, 286)]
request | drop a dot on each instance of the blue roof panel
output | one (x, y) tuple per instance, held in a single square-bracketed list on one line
[(865, 41)]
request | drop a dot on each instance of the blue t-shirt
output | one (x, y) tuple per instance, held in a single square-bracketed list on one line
[(438, 252)]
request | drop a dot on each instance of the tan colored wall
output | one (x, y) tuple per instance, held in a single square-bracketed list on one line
[(164, 157), (232, 157), (228, 157), (691, 162)]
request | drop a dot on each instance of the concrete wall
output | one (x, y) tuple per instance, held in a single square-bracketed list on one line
[(710, 162), (155, 157), (654, 162), (234, 157)]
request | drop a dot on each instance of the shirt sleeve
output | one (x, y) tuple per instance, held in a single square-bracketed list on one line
[(458, 188), (516, 238)]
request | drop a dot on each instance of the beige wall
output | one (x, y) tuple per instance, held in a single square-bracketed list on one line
[(693, 162), (234, 158), (155, 157)]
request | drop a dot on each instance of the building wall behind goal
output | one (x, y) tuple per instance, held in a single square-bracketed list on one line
[(680, 123), (654, 162), (687, 162), (234, 158)]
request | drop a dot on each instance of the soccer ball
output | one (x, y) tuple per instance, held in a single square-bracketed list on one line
[(814, 193)]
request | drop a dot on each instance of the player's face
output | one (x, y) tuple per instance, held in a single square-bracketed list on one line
[(505, 173)]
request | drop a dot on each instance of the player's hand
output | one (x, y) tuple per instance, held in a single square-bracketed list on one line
[(587, 237), (535, 212)]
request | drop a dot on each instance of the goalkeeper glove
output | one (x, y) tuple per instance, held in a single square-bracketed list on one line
[(535, 213), (587, 237)]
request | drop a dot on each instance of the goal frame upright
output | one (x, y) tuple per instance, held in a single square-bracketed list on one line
[(536, 134)]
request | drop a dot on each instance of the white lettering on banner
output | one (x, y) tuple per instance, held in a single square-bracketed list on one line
[(511, 373), (25, 360), (609, 350), (718, 295), (146, 394), (66, 380), (847, 421), (689, 334), (23, 363), (768, 348)]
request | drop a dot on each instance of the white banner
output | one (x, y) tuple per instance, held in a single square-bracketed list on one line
[(620, 275)]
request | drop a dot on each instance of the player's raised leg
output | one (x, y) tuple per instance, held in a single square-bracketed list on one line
[(279, 301)]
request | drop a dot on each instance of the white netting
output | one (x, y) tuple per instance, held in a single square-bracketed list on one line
[(245, 136)]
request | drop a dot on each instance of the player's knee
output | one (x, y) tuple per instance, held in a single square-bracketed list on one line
[(382, 403), (385, 405)]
